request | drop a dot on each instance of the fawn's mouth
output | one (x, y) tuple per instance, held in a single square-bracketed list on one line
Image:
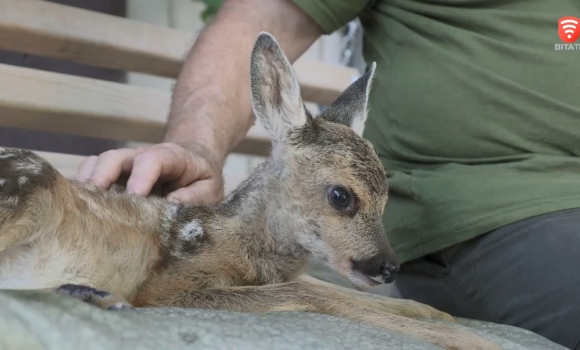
[(360, 278), (372, 272)]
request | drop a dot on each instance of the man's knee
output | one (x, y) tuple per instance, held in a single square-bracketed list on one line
[(527, 276), (523, 274)]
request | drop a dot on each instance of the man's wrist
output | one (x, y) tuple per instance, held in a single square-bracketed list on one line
[(208, 150), (197, 134)]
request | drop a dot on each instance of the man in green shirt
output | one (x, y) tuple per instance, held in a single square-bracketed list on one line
[(474, 114)]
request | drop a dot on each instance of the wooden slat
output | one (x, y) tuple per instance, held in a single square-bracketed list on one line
[(67, 164), (41, 100), (54, 30), (83, 36), (47, 101)]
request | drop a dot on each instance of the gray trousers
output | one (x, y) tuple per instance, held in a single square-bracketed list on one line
[(526, 274)]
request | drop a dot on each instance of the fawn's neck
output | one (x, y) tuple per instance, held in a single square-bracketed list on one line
[(256, 210), (245, 240), (255, 213)]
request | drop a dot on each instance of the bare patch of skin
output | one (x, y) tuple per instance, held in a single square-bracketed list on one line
[(191, 230)]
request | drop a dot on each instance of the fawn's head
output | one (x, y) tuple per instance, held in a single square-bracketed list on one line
[(332, 189)]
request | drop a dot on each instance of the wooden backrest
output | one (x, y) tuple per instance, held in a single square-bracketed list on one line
[(47, 101)]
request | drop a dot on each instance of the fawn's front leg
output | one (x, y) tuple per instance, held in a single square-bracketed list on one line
[(401, 307), (308, 297)]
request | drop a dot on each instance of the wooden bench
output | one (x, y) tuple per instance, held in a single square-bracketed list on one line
[(46, 101)]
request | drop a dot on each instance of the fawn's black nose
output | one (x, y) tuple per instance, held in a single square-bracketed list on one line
[(380, 268), (389, 272)]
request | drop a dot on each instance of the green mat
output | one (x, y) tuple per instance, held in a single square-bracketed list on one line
[(33, 321)]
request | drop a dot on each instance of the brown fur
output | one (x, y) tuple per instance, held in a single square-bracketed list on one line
[(247, 253)]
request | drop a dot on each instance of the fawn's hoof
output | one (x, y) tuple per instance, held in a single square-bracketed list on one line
[(96, 297), (121, 306), (83, 293)]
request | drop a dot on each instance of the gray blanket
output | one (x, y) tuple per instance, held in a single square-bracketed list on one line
[(33, 320)]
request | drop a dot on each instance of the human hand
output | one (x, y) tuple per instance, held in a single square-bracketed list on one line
[(187, 174)]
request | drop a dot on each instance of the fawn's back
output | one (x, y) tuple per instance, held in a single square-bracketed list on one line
[(65, 230)]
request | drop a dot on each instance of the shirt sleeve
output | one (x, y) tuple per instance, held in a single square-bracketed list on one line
[(333, 14)]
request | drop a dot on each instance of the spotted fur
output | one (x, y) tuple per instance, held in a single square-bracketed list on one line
[(247, 253)]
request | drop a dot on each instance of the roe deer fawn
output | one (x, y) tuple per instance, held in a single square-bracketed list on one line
[(321, 193)]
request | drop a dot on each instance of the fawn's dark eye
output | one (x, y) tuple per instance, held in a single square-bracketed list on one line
[(340, 198)]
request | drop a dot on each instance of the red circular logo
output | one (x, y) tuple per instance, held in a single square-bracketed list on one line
[(569, 29)]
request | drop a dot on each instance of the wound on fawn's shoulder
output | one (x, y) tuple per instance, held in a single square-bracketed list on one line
[(192, 230), (184, 233)]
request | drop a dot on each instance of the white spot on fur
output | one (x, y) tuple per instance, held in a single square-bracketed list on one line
[(191, 231), (32, 165), (22, 180), (2, 182)]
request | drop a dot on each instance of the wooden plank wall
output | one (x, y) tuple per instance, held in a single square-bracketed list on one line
[(62, 103), (60, 142)]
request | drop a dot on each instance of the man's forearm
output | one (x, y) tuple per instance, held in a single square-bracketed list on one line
[(211, 103)]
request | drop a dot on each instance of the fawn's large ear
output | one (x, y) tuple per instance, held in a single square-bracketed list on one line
[(350, 108), (276, 96)]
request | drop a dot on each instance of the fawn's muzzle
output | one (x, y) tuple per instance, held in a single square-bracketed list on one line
[(379, 268)]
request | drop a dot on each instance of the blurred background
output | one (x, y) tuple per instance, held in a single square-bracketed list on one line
[(341, 48)]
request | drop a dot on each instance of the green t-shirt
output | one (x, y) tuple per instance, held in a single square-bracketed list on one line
[(474, 113)]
